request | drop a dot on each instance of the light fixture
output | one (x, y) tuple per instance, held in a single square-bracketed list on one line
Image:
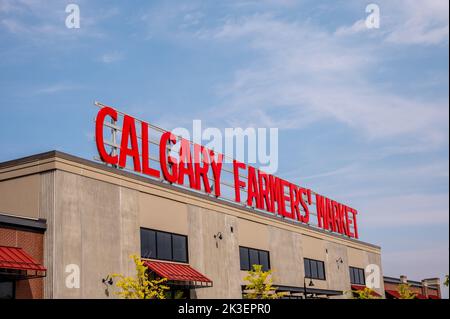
[(108, 280), (218, 237), (310, 284), (339, 261)]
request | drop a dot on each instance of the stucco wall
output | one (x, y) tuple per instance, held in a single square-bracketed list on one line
[(93, 219), (96, 228)]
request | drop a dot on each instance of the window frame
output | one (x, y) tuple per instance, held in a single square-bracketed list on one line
[(316, 263), (171, 245), (258, 251), (357, 271)]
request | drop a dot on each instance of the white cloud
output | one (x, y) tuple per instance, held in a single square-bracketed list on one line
[(302, 75), (111, 57), (56, 88), (407, 22), (40, 21), (357, 27), (421, 22)]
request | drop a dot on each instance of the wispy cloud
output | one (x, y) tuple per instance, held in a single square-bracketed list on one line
[(111, 57), (56, 88), (39, 21), (304, 75), (407, 22)]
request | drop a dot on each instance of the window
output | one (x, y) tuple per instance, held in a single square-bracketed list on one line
[(148, 243), (357, 276), (250, 257), (314, 269), (164, 246), (245, 261), (179, 245), (7, 289)]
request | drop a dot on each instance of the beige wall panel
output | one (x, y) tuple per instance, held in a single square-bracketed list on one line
[(285, 257), (96, 228), (253, 234), (163, 214), (216, 259), (377, 275), (313, 248), (129, 229), (20, 196), (46, 211), (67, 237), (357, 257), (336, 267)]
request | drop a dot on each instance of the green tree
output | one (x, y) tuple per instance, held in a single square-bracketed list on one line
[(140, 286), (405, 292), (260, 284), (365, 293)]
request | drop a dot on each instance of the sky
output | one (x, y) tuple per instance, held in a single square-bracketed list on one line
[(363, 114)]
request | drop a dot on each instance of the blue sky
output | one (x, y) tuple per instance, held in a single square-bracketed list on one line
[(363, 113)]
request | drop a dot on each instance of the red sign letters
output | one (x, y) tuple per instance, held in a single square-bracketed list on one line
[(264, 191)]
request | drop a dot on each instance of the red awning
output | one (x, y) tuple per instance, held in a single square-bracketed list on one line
[(420, 296), (16, 264), (433, 297), (17, 258), (360, 287), (393, 293), (179, 273)]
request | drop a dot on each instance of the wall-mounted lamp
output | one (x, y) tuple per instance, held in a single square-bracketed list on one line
[(339, 261), (108, 281), (218, 237)]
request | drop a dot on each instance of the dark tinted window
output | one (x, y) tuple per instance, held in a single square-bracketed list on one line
[(164, 246), (307, 269), (314, 269), (179, 248), (320, 270), (357, 276), (264, 260), (254, 257), (6, 289), (148, 243), (245, 260), (250, 257)]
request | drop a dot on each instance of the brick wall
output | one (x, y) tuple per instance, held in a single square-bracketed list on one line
[(33, 244)]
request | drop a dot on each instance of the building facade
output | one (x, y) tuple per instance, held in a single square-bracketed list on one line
[(425, 289), (73, 215)]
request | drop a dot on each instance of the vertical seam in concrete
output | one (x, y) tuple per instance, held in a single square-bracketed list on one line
[(80, 214), (53, 235)]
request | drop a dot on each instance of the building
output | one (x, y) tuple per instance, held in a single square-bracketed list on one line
[(425, 289), (61, 214)]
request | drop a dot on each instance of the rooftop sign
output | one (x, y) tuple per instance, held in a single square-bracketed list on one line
[(148, 150)]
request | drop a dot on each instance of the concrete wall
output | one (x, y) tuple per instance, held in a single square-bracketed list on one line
[(93, 219), (20, 196), (96, 228)]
